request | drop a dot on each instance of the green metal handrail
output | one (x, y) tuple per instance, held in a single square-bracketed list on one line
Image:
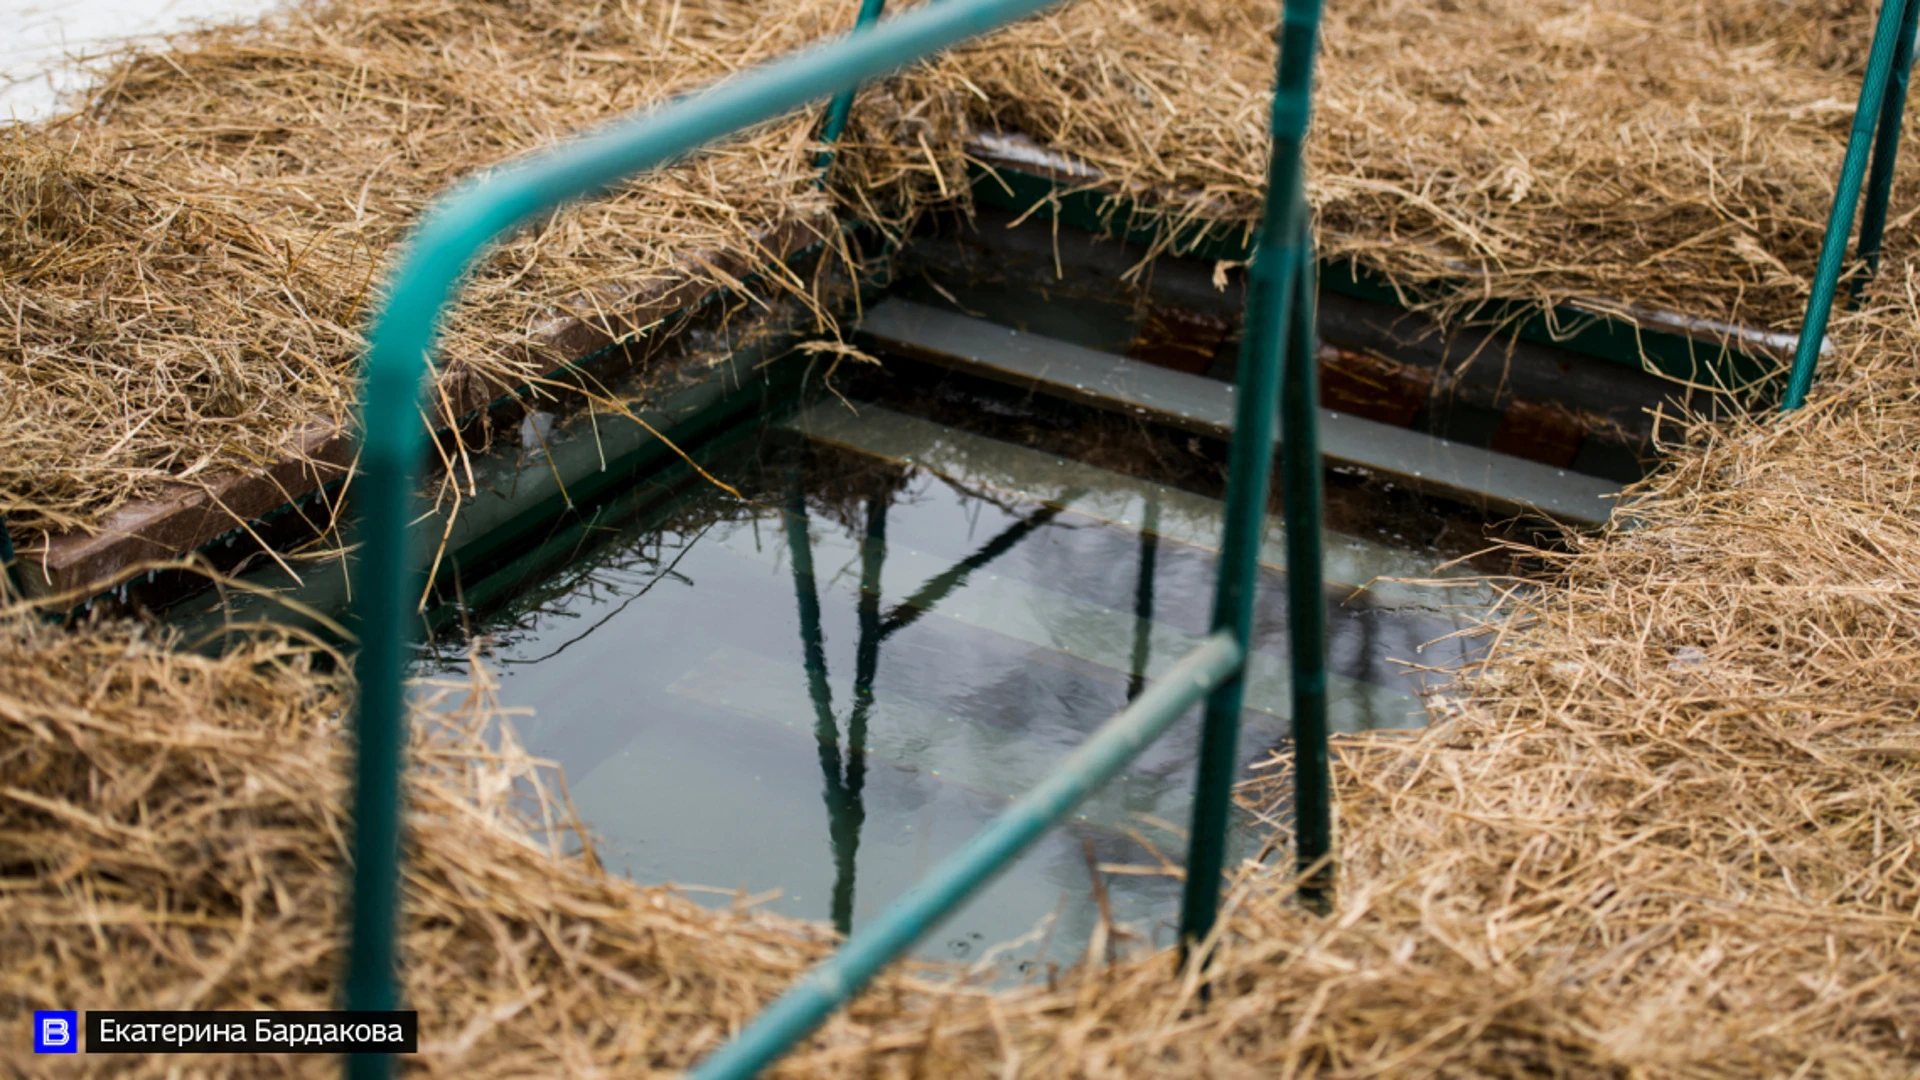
[(1876, 123), (961, 874), (841, 106), (1279, 335)]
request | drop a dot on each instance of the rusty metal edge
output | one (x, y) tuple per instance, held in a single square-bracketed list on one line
[(185, 517)]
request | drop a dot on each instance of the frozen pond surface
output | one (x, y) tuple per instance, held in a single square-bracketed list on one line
[(46, 43)]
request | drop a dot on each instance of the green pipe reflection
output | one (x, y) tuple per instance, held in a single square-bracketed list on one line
[(866, 663), (841, 791), (1143, 600), (844, 774), (908, 611)]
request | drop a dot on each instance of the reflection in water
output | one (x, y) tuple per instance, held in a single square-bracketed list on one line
[(669, 571), (1018, 602), (845, 810), (940, 585), (1143, 600), (866, 661)]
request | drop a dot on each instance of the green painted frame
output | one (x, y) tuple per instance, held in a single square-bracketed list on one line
[(460, 226), (1876, 128)]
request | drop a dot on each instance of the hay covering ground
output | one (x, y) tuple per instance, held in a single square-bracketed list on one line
[(172, 836), (1677, 155), (1670, 829), (185, 265)]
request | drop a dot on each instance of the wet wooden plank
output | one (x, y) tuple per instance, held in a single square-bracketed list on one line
[(1477, 477)]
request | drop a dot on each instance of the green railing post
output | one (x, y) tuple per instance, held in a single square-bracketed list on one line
[(842, 104), (1886, 147), (1273, 311), (392, 440), (384, 587), (1853, 168), (1301, 479)]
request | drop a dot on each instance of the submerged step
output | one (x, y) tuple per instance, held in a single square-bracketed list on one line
[(730, 796), (1475, 476), (982, 754), (1041, 617), (1353, 562)]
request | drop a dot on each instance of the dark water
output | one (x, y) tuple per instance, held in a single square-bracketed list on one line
[(826, 688)]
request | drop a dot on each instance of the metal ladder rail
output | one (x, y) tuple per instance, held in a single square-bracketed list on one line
[(439, 252), (1876, 123), (445, 245), (841, 106), (1278, 343)]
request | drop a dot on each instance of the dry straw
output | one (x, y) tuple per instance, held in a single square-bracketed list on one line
[(1681, 156), (1670, 828), (173, 837), (186, 265)]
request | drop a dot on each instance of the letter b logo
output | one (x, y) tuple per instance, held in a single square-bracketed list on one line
[(56, 1031)]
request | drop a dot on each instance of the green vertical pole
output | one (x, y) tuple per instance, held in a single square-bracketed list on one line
[(1853, 168), (385, 584), (1300, 477), (842, 104), (1886, 146), (1270, 309)]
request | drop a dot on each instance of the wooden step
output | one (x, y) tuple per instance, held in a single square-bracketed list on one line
[(1042, 618), (1387, 574), (1477, 477)]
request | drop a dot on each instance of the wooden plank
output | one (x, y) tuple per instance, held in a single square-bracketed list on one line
[(184, 517), (1352, 564), (1469, 474)]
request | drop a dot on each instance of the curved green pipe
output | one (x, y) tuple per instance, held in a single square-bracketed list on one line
[(442, 249)]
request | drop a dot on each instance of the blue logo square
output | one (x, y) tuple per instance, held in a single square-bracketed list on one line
[(56, 1031)]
